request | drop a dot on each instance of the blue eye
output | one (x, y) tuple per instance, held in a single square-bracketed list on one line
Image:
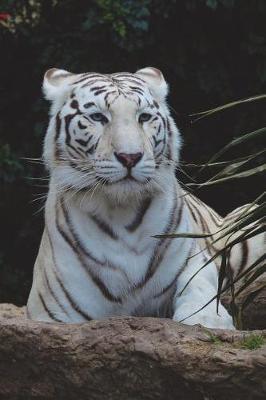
[(144, 117), (99, 117)]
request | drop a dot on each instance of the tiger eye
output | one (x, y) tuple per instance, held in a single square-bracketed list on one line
[(88, 105), (144, 117), (99, 117)]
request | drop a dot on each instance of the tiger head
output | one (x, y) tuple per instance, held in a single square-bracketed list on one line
[(110, 133)]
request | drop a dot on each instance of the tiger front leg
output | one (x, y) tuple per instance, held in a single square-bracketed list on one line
[(201, 289)]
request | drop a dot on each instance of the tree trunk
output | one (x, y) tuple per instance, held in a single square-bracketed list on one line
[(127, 359)]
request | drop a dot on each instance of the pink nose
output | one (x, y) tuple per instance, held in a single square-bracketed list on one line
[(129, 160)]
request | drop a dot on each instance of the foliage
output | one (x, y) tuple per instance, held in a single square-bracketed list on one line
[(212, 338), (211, 52), (253, 342), (10, 167)]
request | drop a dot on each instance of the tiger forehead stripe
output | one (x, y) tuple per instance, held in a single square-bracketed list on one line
[(87, 76), (95, 88), (124, 75), (90, 82), (100, 92)]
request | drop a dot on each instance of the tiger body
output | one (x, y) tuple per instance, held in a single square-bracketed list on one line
[(112, 149)]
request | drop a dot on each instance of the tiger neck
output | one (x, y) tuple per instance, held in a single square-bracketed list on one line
[(130, 214)]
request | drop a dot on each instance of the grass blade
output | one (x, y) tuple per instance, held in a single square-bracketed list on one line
[(221, 278), (244, 174), (183, 235), (235, 142), (206, 113)]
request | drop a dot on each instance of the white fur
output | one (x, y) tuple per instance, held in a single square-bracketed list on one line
[(120, 263), (156, 82)]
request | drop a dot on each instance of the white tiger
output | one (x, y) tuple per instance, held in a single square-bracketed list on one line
[(112, 149)]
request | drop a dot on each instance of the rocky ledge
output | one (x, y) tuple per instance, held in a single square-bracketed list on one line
[(128, 359)]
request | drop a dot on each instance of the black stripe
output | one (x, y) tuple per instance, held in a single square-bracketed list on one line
[(179, 272), (74, 104), (100, 91), (88, 76), (244, 255), (76, 237), (103, 226), (163, 119), (168, 127), (73, 156), (57, 133), (140, 215), (204, 227), (57, 126), (136, 90), (68, 119), (163, 244), (96, 88), (106, 97), (128, 77), (91, 82), (213, 215), (157, 142), (191, 211), (78, 249), (83, 142), (65, 291), (49, 312), (77, 167), (92, 148), (52, 293)]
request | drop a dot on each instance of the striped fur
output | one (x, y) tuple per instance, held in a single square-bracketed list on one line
[(98, 257)]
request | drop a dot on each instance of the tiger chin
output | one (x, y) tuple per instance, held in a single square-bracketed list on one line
[(111, 150)]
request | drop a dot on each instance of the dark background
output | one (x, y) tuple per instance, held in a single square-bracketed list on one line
[(210, 51)]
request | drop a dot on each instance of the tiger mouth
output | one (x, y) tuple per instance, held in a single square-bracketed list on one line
[(128, 179)]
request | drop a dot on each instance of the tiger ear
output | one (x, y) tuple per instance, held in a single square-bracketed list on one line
[(56, 83), (155, 80)]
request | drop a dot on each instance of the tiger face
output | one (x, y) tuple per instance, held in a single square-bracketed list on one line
[(111, 133)]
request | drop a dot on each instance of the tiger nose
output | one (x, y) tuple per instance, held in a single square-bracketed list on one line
[(129, 160)]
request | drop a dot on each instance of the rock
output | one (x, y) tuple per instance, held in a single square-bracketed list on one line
[(127, 359), (9, 311), (253, 316)]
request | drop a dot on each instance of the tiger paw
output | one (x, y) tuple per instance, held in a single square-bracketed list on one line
[(207, 317)]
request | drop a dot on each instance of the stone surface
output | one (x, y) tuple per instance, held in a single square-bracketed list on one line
[(126, 359), (253, 315)]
